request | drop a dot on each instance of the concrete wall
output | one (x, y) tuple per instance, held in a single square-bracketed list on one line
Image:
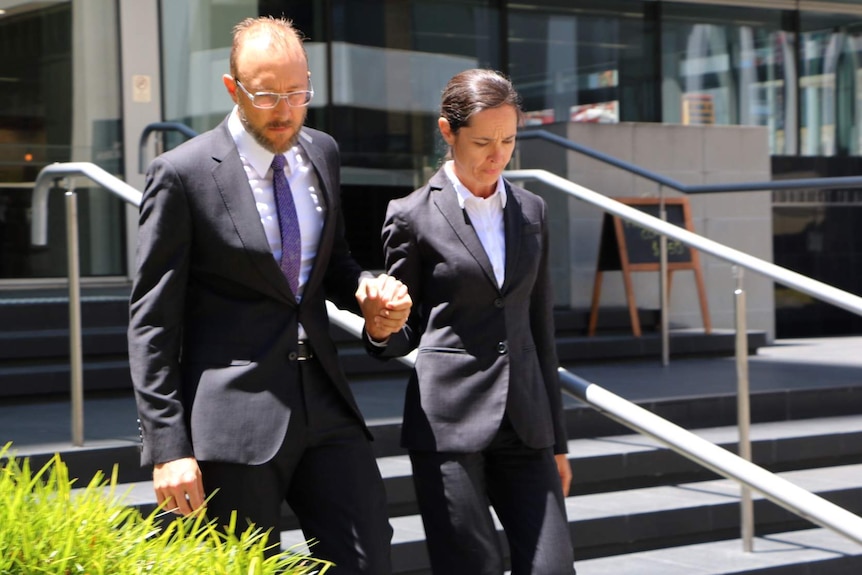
[(690, 155)]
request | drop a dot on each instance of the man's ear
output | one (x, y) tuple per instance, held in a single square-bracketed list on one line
[(230, 84)]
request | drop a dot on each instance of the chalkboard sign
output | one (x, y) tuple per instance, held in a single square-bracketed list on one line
[(622, 238), (643, 244), (628, 247)]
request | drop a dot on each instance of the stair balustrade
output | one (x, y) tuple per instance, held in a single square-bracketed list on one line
[(721, 461)]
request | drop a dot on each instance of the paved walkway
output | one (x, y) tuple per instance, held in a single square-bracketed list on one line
[(788, 364)]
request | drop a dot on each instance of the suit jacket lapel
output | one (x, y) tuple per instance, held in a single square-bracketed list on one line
[(446, 199), (232, 184), (324, 179), (513, 226)]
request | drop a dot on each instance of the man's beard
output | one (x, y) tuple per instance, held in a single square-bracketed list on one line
[(260, 137)]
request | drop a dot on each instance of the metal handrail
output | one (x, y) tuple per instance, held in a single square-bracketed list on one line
[(795, 184), (777, 489), (814, 288), (39, 237), (52, 172), (160, 127), (741, 352), (789, 278), (719, 460)]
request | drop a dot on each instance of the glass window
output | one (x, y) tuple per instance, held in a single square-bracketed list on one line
[(589, 61), (725, 66), (390, 62), (196, 42), (59, 102), (830, 85)]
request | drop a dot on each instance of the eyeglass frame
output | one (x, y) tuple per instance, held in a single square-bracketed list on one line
[(279, 96)]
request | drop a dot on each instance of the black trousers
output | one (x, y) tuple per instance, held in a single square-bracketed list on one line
[(454, 491), (327, 473)]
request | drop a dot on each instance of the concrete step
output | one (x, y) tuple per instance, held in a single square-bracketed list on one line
[(49, 309), (50, 377), (694, 526), (619, 462), (600, 464), (660, 519), (803, 552), (21, 345), (34, 341), (624, 486)]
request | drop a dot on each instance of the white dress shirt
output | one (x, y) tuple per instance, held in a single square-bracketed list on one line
[(306, 191), (486, 217)]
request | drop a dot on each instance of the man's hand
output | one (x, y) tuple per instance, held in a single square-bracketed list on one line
[(385, 305), (565, 471), (179, 486)]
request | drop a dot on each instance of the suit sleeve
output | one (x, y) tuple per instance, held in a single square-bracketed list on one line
[(542, 325), (156, 314), (403, 262)]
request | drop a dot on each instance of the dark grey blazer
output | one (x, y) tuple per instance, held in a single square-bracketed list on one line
[(213, 323), (482, 350)]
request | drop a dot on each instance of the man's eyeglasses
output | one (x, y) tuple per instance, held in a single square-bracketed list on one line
[(269, 100)]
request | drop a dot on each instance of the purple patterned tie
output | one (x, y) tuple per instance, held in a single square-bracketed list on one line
[(291, 240)]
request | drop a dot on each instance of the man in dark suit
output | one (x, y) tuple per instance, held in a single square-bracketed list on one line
[(239, 389)]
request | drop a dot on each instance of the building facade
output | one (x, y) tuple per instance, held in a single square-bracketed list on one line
[(81, 80)]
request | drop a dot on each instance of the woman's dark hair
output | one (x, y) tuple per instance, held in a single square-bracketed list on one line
[(474, 90)]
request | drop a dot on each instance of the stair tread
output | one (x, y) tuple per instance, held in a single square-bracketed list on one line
[(395, 465), (724, 435), (727, 556), (703, 493), (650, 500)]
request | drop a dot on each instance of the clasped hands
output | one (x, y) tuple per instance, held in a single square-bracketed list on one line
[(385, 305)]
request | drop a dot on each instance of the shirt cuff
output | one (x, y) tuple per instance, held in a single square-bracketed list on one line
[(380, 344)]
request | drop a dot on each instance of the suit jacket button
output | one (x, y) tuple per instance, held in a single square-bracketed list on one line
[(292, 356), (502, 347), (499, 302)]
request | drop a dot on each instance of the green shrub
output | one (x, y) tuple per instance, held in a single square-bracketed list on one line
[(47, 528)]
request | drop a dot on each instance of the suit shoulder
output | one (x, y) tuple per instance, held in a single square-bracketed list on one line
[(415, 200), (205, 145), (314, 137), (525, 196)]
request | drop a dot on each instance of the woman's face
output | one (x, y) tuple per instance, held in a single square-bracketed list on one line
[(483, 148)]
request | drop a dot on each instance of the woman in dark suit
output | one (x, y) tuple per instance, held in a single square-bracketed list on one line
[(483, 417)]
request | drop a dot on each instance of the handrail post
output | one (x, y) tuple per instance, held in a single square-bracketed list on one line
[(743, 415), (663, 287), (159, 143), (75, 339), (39, 237)]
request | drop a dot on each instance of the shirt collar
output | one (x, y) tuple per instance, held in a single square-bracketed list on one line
[(464, 193), (256, 155)]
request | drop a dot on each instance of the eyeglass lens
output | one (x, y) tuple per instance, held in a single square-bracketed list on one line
[(271, 99)]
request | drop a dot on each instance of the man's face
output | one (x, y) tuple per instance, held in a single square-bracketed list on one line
[(265, 67)]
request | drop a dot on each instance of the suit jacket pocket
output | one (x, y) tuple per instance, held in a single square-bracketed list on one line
[(220, 355), (455, 386)]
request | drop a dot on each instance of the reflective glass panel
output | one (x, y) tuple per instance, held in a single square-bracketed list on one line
[(723, 66), (391, 60), (830, 85), (196, 42), (59, 102), (588, 61)]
